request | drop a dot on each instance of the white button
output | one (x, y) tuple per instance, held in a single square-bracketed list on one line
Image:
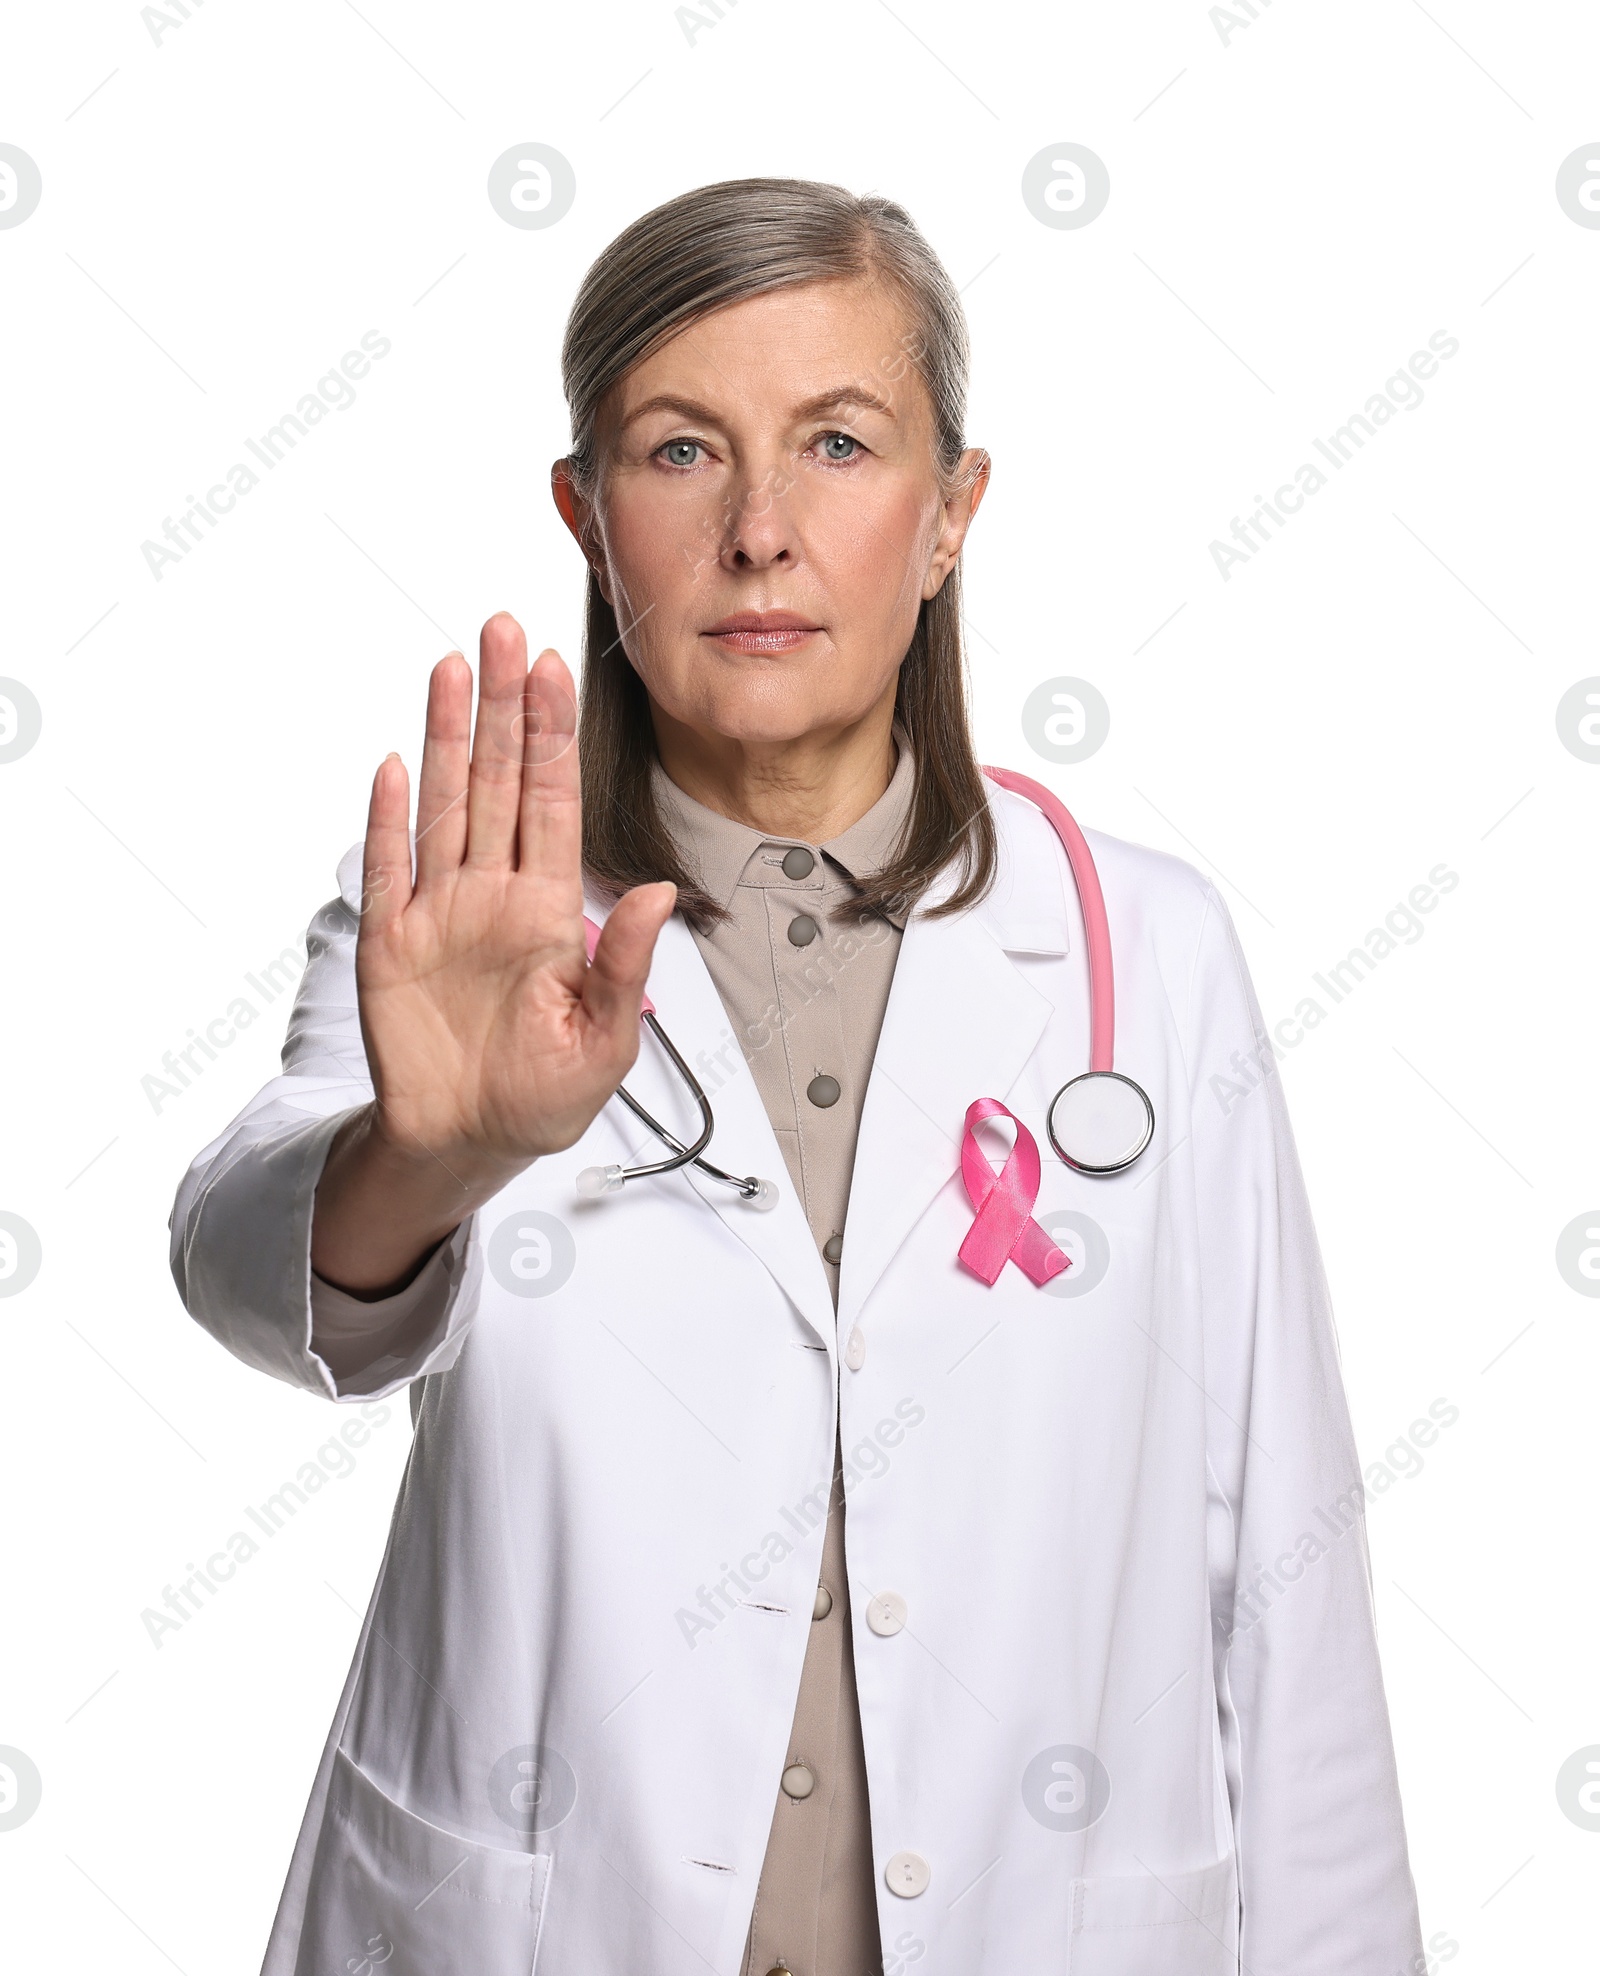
[(822, 1604), (907, 1875), (855, 1349), (886, 1614), (798, 1782)]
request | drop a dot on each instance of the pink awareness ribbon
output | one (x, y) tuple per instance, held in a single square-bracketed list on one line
[(1003, 1226)]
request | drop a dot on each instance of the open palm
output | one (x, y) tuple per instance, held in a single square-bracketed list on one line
[(488, 1038)]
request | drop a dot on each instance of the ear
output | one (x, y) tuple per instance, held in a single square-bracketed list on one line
[(566, 500), (972, 480), (576, 512), (579, 518)]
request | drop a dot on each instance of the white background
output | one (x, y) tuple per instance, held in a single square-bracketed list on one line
[(1297, 204)]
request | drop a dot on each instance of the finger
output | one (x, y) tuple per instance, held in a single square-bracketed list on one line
[(442, 784), (386, 855), (494, 779), (550, 827), (614, 981)]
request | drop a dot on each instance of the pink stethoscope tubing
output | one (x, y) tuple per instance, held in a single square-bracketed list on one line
[(1101, 1100), (1091, 900)]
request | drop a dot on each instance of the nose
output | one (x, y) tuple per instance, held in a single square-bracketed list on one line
[(759, 529)]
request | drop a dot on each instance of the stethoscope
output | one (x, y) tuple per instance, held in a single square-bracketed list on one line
[(1099, 1122)]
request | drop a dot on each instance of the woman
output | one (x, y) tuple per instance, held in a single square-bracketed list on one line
[(1072, 1666)]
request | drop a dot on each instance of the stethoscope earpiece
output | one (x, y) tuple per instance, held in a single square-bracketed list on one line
[(1100, 1122), (597, 1180)]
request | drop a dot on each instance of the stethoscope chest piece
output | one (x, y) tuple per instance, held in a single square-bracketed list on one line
[(1100, 1122)]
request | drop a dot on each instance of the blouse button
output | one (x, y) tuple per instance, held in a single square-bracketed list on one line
[(833, 1248), (798, 1782), (798, 862), (822, 1604), (823, 1090), (802, 930)]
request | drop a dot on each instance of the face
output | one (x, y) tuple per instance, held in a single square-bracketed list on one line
[(769, 517)]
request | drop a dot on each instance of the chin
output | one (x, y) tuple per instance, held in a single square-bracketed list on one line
[(763, 702)]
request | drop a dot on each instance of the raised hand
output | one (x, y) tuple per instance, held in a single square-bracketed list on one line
[(488, 1040)]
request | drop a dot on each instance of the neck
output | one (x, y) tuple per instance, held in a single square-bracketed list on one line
[(812, 787)]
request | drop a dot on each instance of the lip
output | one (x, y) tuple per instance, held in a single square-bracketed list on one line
[(762, 631)]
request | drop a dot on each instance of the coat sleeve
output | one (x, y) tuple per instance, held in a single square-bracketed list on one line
[(241, 1223), (1325, 1883)]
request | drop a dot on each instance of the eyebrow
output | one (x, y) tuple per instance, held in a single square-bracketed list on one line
[(824, 401)]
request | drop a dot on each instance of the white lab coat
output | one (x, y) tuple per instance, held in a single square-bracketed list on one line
[(603, 1556)]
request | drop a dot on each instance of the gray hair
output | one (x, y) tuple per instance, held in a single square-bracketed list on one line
[(747, 236)]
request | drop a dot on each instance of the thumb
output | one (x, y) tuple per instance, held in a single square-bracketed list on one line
[(613, 984)]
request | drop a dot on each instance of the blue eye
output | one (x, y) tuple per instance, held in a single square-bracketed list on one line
[(831, 439), (675, 450)]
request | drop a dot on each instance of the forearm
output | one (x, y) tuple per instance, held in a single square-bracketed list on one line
[(381, 1210)]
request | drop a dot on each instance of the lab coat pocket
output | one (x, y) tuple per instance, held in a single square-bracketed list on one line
[(392, 1895), (1144, 1924)]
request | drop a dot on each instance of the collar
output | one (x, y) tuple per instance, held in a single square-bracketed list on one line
[(1033, 907), (719, 848)]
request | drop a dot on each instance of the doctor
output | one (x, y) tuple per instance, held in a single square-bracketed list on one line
[(768, 1589)]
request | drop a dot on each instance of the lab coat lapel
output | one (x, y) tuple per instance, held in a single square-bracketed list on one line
[(691, 1012), (961, 1023)]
